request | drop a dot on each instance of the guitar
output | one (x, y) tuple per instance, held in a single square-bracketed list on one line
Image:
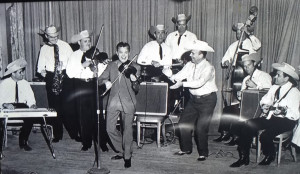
[(275, 110)]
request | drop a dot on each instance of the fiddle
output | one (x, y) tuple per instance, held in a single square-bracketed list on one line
[(127, 68), (95, 55)]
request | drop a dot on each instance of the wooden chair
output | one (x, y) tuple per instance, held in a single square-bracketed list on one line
[(279, 139)]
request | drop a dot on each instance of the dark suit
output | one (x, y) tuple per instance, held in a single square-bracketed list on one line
[(121, 101)]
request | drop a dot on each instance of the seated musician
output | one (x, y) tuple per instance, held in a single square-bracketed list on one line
[(15, 92), (249, 43), (156, 55), (280, 107), (255, 79)]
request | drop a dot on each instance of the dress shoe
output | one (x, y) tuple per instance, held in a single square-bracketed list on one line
[(240, 162), (55, 140), (267, 160), (180, 153), (201, 158), (219, 139), (127, 163), (224, 137), (104, 148), (25, 147), (117, 157), (84, 148), (232, 142)]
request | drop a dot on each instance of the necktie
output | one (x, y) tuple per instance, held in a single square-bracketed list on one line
[(17, 93), (160, 52), (58, 76), (277, 93), (178, 42)]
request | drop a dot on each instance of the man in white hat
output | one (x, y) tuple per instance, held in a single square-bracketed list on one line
[(52, 62), (178, 39), (249, 44), (200, 79), (82, 69), (16, 92), (280, 108), (156, 53), (255, 79)]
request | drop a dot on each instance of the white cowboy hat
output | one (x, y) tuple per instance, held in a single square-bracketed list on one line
[(81, 35), (181, 17), (51, 31), (199, 45), (158, 27), (254, 56), (287, 69), (15, 66)]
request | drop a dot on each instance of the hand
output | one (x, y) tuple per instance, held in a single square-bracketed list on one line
[(155, 64), (43, 73), (265, 108), (239, 95), (108, 85), (167, 71), (86, 63), (172, 78), (133, 77), (8, 106), (177, 85), (33, 106), (251, 84), (226, 63)]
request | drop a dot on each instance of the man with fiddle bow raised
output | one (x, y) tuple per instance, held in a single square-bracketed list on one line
[(121, 77), (280, 107), (83, 68)]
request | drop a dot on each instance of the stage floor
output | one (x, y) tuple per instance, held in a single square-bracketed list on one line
[(149, 159)]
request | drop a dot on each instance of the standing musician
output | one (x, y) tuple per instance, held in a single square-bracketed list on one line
[(178, 39), (255, 79), (15, 91), (122, 101), (83, 70), (200, 79), (156, 54), (51, 65), (280, 107)]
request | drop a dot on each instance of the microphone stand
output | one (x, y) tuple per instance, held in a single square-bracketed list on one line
[(99, 169)]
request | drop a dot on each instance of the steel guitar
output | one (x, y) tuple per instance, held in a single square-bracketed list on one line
[(43, 113)]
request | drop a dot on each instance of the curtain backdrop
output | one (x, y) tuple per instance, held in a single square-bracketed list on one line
[(277, 26)]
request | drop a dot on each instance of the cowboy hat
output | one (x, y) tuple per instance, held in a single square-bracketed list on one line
[(239, 26), (81, 35), (158, 27), (254, 56), (51, 31), (15, 66), (287, 69), (199, 45), (181, 17)]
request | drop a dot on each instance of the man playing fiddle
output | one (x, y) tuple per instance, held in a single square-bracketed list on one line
[(122, 101), (83, 69), (280, 107)]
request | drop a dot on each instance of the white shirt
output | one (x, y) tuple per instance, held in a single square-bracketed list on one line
[(75, 69), (253, 45), (262, 79), (8, 92), (150, 52), (46, 58), (200, 77), (172, 42), (291, 100)]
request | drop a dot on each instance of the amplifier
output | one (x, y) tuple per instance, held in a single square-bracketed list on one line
[(40, 93), (250, 107), (152, 99)]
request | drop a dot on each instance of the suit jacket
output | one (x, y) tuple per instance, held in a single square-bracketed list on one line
[(122, 87)]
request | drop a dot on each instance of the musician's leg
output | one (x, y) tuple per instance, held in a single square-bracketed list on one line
[(24, 134)]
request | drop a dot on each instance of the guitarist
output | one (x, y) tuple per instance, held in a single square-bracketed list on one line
[(280, 108)]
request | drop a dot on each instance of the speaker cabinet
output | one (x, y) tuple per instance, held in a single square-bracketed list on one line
[(152, 99), (250, 107), (40, 93)]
